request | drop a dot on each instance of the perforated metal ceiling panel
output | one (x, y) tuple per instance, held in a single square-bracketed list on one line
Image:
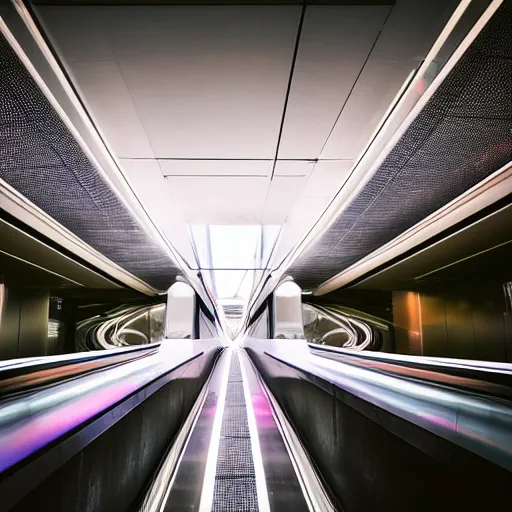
[(461, 136), (40, 158)]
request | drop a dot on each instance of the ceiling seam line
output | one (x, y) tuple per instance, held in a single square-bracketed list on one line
[(285, 106), (357, 79), (289, 86), (131, 99), (222, 176), (332, 129)]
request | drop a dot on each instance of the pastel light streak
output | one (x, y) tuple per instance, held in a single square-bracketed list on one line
[(262, 411), (18, 443), (44, 416), (438, 420)]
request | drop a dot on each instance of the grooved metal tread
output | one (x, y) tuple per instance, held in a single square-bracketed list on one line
[(235, 481)]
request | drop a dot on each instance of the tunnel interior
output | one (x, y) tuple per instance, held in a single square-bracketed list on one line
[(255, 256)]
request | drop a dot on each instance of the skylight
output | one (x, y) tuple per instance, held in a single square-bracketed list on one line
[(233, 259)]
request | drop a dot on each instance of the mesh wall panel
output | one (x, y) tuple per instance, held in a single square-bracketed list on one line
[(41, 159), (461, 136)]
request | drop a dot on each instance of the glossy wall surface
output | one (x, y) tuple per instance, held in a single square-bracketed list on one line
[(23, 322), (466, 324)]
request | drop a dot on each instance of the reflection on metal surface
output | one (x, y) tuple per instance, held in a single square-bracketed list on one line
[(120, 327), (284, 476), (480, 424), (324, 326)]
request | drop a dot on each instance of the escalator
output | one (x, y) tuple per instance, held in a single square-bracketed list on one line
[(269, 425)]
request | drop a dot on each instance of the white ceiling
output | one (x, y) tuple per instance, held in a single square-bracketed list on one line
[(191, 100), (334, 45)]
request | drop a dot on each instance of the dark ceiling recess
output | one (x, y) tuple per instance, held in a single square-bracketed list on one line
[(461, 136), (41, 159)]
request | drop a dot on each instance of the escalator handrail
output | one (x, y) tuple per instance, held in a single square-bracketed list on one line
[(487, 371), (477, 423), (28, 374), (31, 421)]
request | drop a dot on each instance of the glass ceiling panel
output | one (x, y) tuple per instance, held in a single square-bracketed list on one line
[(234, 247), (233, 259)]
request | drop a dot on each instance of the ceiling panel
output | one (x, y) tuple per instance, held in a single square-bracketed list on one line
[(328, 177), (77, 32), (151, 188), (216, 167), (294, 167), (412, 28), (207, 82), (321, 186), (301, 218), (218, 200), (335, 42), (282, 195), (105, 93), (376, 88), (408, 35)]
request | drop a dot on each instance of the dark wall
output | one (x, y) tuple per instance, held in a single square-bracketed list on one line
[(23, 322), (468, 318), (469, 323)]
